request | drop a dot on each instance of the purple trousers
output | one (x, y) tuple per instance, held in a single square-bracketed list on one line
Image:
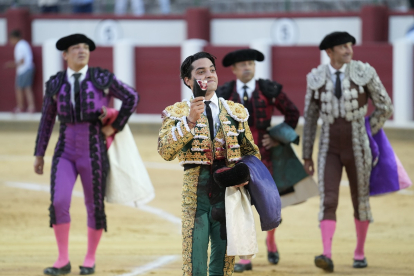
[(80, 150)]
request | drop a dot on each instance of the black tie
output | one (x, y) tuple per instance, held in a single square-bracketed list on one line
[(338, 90), (210, 119), (245, 96), (77, 86)]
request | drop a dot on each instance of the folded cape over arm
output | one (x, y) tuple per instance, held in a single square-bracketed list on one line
[(264, 194)]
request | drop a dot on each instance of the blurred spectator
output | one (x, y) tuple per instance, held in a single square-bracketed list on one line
[(411, 2), (48, 6), (138, 7), (82, 6), (410, 33), (23, 62)]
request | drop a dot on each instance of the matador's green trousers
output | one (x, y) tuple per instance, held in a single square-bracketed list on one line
[(198, 227)]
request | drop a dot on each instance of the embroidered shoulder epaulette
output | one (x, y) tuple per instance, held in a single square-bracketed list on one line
[(316, 78), (360, 73), (270, 89), (101, 78), (237, 111), (178, 110), (225, 90), (54, 83)]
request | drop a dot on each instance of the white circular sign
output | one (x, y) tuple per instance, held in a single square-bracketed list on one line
[(108, 31), (285, 32)]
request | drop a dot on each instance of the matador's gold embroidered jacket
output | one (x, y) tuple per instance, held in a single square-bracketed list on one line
[(233, 139)]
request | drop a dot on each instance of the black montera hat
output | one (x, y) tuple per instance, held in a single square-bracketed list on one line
[(65, 42), (242, 55), (336, 38)]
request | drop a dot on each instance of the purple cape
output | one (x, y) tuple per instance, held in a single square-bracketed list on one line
[(387, 174), (264, 193)]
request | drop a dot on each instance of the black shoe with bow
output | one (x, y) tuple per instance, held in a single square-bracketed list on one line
[(273, 257), (58, 271), (360, 263), (239, 268), (324, 262), (86, 270)]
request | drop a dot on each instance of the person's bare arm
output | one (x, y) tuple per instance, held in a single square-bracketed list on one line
[(309, 166), (38, 164), (268, 142)]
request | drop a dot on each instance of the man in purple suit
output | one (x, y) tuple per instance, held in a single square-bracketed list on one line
[(77, 96)]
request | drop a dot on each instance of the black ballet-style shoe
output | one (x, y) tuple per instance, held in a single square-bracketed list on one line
[(273, 257), (239, 268), (58, 271), (324, 262), (87, 270), (360, 263)]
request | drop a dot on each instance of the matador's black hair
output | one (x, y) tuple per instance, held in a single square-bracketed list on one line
[(186, 66)]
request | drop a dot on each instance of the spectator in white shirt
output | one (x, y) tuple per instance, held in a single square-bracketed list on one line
[(23, 62)]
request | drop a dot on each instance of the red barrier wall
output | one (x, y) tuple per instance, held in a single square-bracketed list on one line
[(38, 77), (157, 78), (102, 57), (8, 77), (158, 69), (224, 73), (290, 66), (380, 57)]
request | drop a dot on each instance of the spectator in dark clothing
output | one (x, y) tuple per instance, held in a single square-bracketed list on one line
[(82, 6)]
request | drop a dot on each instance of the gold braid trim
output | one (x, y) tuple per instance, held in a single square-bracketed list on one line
[(177, 110), (237, 111), (189, 208), (228, 265)]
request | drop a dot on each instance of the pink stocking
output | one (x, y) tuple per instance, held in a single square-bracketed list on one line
[(244, 261), (270, 241), (62, 239), (327, 230), (94, 236), (361, 231)]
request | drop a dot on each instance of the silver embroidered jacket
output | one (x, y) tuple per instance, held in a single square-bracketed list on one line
[(360, 83)]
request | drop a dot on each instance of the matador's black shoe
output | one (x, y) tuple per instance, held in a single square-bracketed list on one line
[(86, 270), (360, 263), (238, 268), (273, 257), (324, 262), (58, 271)]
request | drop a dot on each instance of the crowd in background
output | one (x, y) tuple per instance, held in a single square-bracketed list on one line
[(141, 7)]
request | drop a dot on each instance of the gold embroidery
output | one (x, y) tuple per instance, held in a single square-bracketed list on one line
[(202, 150), (219, 147), (169, 146), (248, 133), (178, 110), (238, 110), (189, 208), (228, 265)]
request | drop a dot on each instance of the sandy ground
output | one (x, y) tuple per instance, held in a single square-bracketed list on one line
[(139, 242)]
